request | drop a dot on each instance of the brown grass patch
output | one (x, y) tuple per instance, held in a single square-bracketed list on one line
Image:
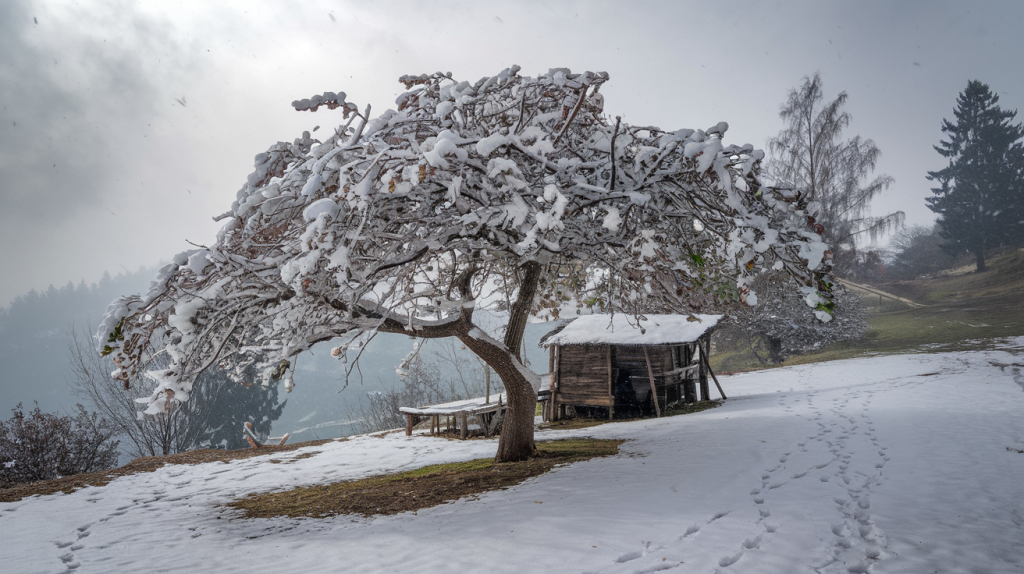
[(574, 423), (421, 488), (70, 484), (688, 408)]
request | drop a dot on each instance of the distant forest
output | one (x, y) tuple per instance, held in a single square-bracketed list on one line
[(34, 338), (35, 365)]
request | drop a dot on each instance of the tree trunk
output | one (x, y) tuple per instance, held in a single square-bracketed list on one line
[(516, 440), (775, 349), (980, 258), (520, 311)]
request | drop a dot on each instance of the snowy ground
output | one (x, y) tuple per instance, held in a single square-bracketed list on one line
[(888, 464)]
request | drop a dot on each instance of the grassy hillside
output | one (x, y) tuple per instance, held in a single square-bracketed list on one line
[(958, 309)]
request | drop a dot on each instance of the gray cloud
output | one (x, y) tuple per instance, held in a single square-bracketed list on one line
[(93, 86), (74, 83)]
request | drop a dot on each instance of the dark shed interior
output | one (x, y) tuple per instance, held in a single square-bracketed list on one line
[(622, 380)]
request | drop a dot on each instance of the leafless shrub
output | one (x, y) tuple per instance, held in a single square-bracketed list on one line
[(784, 324), (212, 419), (40, 446)]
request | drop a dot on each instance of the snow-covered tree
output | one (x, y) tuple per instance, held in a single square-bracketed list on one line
[(784, 323), (513, 192)]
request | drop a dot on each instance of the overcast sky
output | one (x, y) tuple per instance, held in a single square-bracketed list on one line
[(126, 126)]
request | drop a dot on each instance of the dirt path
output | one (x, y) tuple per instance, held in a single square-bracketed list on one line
[(876, 291)]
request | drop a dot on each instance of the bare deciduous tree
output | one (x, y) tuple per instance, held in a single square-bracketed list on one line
[(211, 419), (439, 374), (810, 155), (917, 251)]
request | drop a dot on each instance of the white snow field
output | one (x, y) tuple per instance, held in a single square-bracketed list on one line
[(905, 463)]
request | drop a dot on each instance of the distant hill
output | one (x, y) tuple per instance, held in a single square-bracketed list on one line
[(34, 337)]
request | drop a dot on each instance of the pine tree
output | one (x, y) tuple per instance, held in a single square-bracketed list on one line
[(980, 198)]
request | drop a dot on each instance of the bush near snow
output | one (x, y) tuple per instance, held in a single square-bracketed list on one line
[(40, 446)]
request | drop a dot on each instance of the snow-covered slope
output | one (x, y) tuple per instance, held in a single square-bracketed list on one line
[(903, 463)]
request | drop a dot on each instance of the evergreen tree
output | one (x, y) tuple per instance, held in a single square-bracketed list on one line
[(980, 198)]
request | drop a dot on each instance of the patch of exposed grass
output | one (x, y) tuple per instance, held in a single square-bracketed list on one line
[(574, 423), (676, 409), (421, 488), (965, 311)]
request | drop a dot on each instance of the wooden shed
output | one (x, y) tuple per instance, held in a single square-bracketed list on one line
[(605, 365)]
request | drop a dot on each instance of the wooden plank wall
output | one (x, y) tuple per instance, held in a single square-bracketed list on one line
[(583, 375)]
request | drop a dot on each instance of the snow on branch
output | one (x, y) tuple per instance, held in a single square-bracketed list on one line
[(416, 216)]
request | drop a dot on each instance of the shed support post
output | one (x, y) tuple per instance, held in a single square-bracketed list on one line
[(556, 409), (549, 411), (689, 387), (654, 390), (705, 391), (674, 352), (463, 426), (408, 425), (611, 387), (707, 365)]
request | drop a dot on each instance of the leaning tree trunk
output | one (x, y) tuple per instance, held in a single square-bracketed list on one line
[(516, 440), (522, 399)]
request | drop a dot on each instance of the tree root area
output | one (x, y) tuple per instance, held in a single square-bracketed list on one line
[(422, 488)]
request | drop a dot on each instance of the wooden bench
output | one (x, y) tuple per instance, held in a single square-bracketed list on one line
[(254, 442)]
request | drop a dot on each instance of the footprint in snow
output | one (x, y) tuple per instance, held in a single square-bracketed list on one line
[(629, 556), (730, 560), (719, 515)]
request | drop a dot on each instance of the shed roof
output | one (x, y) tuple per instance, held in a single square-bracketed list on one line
[(621, 329)]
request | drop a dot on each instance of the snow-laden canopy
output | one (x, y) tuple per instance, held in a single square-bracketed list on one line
[(514, 192), (623, 330)]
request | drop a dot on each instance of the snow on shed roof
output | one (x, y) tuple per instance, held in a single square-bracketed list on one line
[(621, 329)]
